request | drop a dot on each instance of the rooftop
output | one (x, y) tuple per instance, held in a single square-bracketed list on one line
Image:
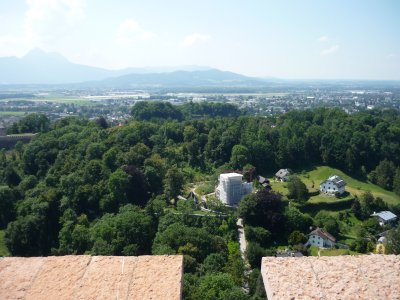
[(230, 175), (338, 181), (324, 234), (385, 215), (332, 277), (91, 277), (282, 173)]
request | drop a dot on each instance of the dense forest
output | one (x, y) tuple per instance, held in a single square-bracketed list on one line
[(81, 186)]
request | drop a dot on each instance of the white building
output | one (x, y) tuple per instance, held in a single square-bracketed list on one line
[(231, 188), (385, 217), (333, 185), (283, 175), (321, 238)]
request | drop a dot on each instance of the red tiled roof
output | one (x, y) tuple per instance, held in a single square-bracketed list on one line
[(323, 234)]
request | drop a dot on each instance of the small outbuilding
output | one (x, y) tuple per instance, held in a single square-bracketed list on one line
[(283, 175), (385, 217), (264, 182)]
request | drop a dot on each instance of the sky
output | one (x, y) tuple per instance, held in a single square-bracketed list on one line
[(292, 39)]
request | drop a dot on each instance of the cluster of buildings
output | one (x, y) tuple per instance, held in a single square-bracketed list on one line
[(231, 189)]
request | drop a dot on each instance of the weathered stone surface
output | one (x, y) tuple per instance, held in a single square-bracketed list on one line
[(17, 276), (91, 277), (156, 278), (335, 277)]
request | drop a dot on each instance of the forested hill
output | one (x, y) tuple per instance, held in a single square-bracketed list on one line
[(82, 187), (72, 189)]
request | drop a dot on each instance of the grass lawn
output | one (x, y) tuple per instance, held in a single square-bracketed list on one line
[(12, 113), (205, 188), (354, 186), (331, 252), (316, 175), (3, 249), (76, 101)]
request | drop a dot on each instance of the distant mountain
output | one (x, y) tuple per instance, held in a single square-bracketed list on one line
[(40, 67), (198, 78)]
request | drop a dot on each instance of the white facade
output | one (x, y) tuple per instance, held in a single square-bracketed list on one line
[(231, 188), (333, 185), (316, 240), (321, 238)]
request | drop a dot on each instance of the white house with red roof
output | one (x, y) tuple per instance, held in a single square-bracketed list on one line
[(320, 238)]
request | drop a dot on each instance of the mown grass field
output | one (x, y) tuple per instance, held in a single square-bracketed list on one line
[(12, 113), (3, 249), (332, 205), (331, 252), (313, 177)]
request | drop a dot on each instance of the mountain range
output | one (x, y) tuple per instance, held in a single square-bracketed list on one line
[(38, 67)]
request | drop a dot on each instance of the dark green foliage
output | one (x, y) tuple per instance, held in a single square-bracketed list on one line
[(396, 182), (235, 264), (32, 123), (145, 110), (213, 263), (11, 177), (356, 208), (254, 254), (209, 109), (384, 174), (297, 189), (176, 236), (129, 232), (296, 220), (218, 287), (370, 204), (393, 241), (265, 209), (71, 184), (328, 222), (297, 237), (7, 203), (102, 122), (27, 236), (258, 235), (173, 183), (362, 245), (256, 285), (239, 157)]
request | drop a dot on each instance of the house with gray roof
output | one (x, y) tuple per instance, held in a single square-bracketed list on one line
[(283, 174), (385, 217), (334, 185)]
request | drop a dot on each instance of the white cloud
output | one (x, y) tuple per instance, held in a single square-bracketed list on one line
[(45, 22), (194, 39), (323, 38), (49, 20), (391, 55), (330, 50), (130, 31)]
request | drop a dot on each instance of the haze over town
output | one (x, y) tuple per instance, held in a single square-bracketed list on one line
[(284, 39)]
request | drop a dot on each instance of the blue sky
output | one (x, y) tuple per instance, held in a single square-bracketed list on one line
[(311, 39)]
